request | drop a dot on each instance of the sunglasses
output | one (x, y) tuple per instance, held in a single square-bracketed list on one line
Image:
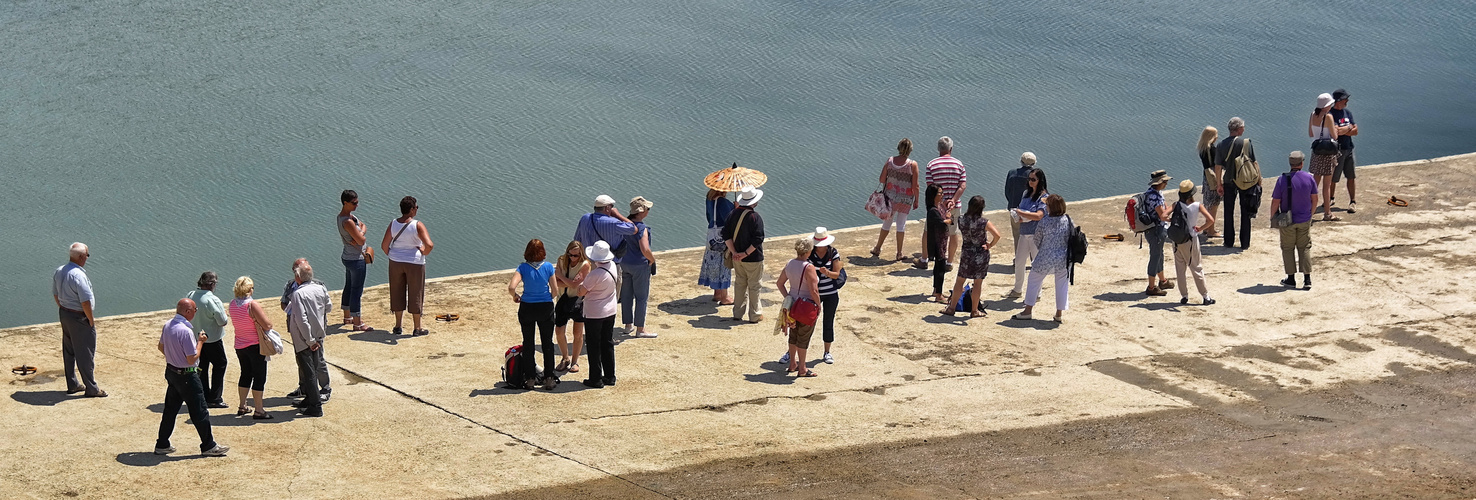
[(1032, 179)]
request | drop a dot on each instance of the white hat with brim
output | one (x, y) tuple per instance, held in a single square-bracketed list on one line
[(750, 196), (823, 237), (600, 252), (1324, 100)]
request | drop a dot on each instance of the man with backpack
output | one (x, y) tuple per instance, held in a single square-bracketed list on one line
[(1295, 192), (1185, 222), (1153, 214), (1236, 166)]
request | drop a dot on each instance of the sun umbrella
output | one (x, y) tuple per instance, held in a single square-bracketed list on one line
[(735, 178)]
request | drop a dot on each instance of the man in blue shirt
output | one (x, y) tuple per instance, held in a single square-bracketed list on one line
[(1016, 183), (604, 224), (1343, 120), (182, 352), (72, 292)]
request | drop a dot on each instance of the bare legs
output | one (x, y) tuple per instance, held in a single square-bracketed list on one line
[(1325, 181), (958, 285), (254, 394)]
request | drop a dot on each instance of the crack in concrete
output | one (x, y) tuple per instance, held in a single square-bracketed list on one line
[(509, 435)]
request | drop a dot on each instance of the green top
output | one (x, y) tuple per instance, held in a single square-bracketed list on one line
[(210, 314)]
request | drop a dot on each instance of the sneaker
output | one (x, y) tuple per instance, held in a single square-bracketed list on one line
[(218, 451), (296, 393), (645, 335), (784, 359), (1306, 283), (323, 396), (1184, 300), (593, 383), (315, 412), (1208, 301), (829, 360), (549, 383), (163, 451), (1166, 285), (1014, 294), (218, 404), (1352, 207), (1289, 282), (1154, 291), (609, 382), (398, 331)]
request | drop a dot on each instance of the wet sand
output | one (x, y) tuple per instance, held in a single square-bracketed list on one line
[(1358, 388)]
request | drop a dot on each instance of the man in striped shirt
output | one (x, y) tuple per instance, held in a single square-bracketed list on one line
[(949, 174)]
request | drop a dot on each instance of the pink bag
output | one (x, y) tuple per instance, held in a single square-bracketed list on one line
[(877, 204)]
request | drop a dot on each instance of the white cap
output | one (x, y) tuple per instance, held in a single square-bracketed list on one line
[(604, 201), (1027, 159)]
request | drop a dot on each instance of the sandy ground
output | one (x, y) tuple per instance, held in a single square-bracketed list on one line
[(1359, 388)]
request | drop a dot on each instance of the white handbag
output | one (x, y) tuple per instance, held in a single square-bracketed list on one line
[(276, 340)]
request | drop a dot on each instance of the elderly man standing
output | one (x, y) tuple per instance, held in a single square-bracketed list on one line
[(605, 224), (1017, 182), (1250, 199), (182, 352), (212, 320), (72, 292), (744, 235), (949, 174), (324, 392), (1296, 192), (309, 307)]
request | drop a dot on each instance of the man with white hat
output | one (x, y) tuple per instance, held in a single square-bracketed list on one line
[(604, 223), (744, 235)]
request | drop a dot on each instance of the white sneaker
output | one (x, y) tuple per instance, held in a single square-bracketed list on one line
[(218, 451), (646, 335), (784, 359), (163, 451), (829, 360)]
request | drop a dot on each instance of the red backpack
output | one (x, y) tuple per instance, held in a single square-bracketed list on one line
[(514, 375), (1135, 213)]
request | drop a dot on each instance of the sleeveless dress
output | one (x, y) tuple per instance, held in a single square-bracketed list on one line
[(898, 188), (713, 274), (973, 260), (1210, 195), (1322, 164)]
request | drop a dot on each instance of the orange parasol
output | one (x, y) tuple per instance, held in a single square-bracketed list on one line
[(733, 179)]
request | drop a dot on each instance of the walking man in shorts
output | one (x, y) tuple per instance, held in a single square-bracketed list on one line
[(1347, 128)]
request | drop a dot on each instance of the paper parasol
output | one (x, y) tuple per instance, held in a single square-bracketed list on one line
[(733, 179)]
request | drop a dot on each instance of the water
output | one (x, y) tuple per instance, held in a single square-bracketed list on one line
[(175, 137)]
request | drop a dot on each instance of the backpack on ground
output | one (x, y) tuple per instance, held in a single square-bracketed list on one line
[(1179, 231), (514, 375), (962, 304), (1247, 171), (1139, 215)]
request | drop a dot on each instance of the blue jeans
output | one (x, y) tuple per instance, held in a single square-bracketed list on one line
[(1156, 237), (635, 293), (353, 285)]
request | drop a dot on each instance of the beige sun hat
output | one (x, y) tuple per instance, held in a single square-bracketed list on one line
[(640, 204), (822, 237), (1186, 186)]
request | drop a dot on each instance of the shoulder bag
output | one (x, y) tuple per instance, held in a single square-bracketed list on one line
[(878, 204), (728, 255), (268, 341), (1284, 217), (804, 311)]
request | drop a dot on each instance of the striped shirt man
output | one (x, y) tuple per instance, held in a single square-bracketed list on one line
[(950, 176)]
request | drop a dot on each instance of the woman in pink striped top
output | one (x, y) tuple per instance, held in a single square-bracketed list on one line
[(246, 315)]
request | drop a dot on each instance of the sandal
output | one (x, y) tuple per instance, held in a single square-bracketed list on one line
[(1331, 218), (573, 367), (808, 373), (363, 328), (242, 411), (898, 258), (421, 331), (875, 252), (947, 311), (978, 314), (262, 416), (563, 366)]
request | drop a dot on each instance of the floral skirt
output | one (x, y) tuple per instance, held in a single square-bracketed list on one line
[(1323, 164), (973, 263), (714, 275)]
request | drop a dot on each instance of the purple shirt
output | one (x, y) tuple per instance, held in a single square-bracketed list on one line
[(1299, 199), (178, 340)]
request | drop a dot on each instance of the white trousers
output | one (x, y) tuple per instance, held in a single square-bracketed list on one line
[(1037, 278), (1024, 254)]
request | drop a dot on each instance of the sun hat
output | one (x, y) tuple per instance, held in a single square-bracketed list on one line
[(1324, 100), (640, 204), (604, 201), (1027, 159), (823, 237), (1158, 176), (600, 252), (1186, 186), (749, 196), (1340, 94)]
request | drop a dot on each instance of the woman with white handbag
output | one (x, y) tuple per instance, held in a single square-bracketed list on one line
[(252, 326), (899, 189)]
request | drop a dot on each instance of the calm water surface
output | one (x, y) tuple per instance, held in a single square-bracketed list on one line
[(175, 137)]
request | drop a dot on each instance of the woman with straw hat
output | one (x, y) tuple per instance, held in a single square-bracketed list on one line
[(1186, 255)]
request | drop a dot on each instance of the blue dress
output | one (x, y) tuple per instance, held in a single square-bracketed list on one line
[(713, 274)]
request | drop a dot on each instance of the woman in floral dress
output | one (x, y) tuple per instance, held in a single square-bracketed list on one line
[(979, 235)]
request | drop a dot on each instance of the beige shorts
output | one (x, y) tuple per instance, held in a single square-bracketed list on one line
[(953, 216)]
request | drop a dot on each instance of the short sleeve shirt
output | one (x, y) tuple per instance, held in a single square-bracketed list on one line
[(71, 287), (1029, 204), (178, 340), (949, 174), (1154, 199), (1296, 194), (600, 299), (535, 282), (1343, 118), (1228, 149)]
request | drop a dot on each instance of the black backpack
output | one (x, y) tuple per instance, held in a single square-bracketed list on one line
[(1076, 248), (1179, 231)]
